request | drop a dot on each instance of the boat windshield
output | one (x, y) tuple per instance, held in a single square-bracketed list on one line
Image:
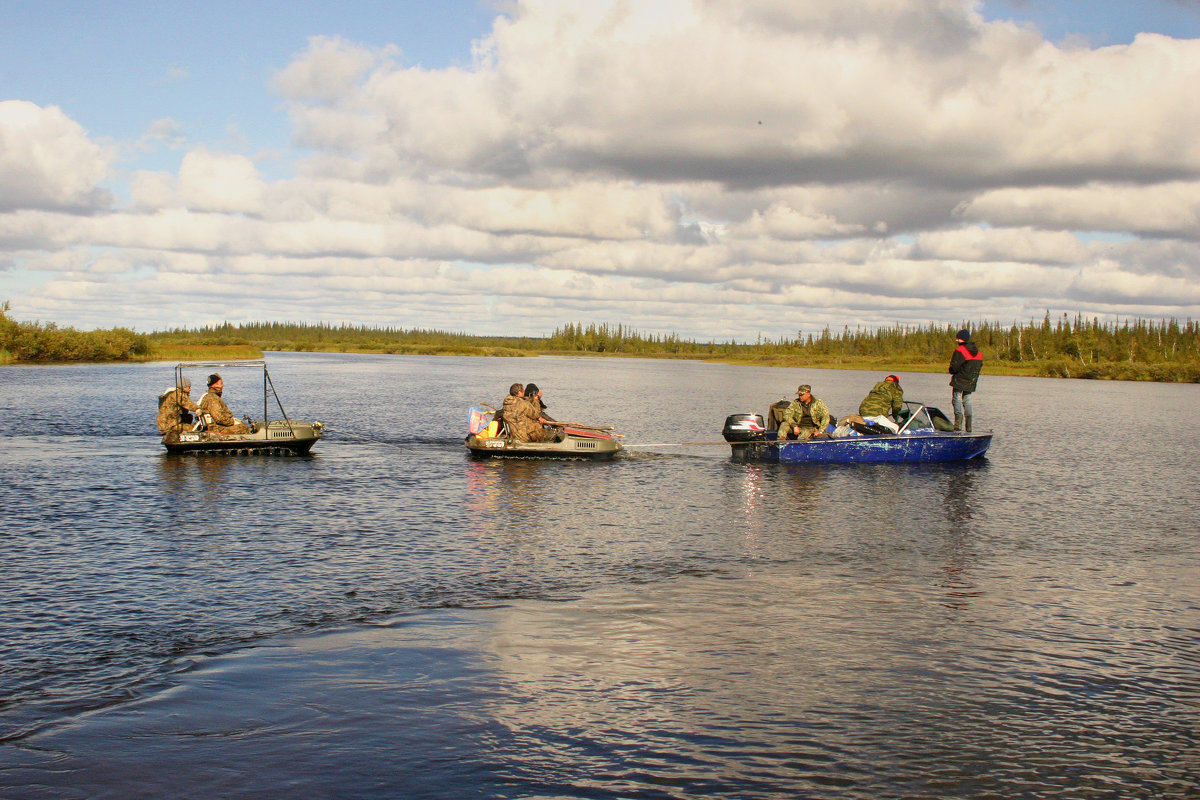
[(918, 418)]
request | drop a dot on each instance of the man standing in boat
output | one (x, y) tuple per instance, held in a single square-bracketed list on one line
[(175, 407), (217, 416), (805, 417), (965, 366)]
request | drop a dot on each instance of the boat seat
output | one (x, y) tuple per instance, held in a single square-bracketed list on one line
[(502, 431)]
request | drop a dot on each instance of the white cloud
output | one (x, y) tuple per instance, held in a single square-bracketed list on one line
[(720, 167), (780, 93), (48, 161), (1171, 207), (220, 182)]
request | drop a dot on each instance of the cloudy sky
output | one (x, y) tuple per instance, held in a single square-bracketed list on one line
[(716, 168)]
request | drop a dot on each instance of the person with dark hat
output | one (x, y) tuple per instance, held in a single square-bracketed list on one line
[(805, 417), (175, 407), (965, 366), (523, 418), (883, 403), (216, 415), (533, 395)]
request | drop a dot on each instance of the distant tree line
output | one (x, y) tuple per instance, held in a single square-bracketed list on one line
[(1075, 347), (1068, 347), (346, 338)]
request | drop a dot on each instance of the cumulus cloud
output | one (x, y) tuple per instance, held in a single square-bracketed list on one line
[(714, 167), (220, 182), (48, 161), (768, 93), (1168, 208)]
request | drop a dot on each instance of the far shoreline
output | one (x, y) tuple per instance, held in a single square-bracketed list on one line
[(866, 364), (1164, 351)]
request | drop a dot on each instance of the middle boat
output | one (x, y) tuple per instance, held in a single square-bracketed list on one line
[(490, 438)]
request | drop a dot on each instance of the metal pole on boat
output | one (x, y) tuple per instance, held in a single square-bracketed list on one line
[(278, 402)]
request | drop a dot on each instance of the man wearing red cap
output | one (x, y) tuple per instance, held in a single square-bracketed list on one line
[(887, 398)]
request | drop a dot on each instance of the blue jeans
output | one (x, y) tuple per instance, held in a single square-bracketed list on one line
[(962, 403)]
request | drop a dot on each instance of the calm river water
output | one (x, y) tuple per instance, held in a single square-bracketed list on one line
[(390, 619)]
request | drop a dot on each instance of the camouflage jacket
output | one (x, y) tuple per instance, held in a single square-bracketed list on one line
[(885, 399), (215, 407), (817, 413), (171, 406), (521, 418)]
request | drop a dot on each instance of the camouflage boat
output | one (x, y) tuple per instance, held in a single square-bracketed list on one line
[(284, 436), (490, 438)]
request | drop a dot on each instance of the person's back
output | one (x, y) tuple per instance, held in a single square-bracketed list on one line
[(965, 367), (887, 398), (522, 420), (174, 407)]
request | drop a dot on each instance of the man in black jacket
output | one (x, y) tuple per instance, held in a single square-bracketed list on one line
[(965, 366)]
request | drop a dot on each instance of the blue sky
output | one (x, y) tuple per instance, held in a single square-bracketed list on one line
[(1102, 22), (118, 66), (592, 164)]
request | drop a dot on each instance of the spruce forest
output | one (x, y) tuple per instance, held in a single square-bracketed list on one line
[(1068, 347)]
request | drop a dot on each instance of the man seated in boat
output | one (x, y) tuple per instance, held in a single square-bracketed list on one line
[(534, 396), (524, 421), (175, 408), (216, 415), (805, 418), (887, 398)]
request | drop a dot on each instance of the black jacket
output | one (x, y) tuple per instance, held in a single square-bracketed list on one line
[(965, 366)]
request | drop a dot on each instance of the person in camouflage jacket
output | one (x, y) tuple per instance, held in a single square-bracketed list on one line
[(805, 417), (217, 416), (173, 404), (523, 420), (886, 399)]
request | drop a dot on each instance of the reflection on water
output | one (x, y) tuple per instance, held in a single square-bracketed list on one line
[(958, 495), (508, 489), (391, 618)]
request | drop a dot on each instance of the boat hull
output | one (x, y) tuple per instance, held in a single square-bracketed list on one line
[(913, 448), (586, 447), (280, 437)]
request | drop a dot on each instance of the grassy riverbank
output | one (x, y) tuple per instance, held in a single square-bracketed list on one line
[(1166, 351)]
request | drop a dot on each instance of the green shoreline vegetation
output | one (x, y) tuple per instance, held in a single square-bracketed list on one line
[(1140, 350)]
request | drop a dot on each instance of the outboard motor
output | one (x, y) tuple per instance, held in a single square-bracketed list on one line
[(743, 428)]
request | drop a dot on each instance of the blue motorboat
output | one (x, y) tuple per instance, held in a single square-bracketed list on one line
[(926, 436)]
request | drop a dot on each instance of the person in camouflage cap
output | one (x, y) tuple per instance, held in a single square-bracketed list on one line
[(175, 408), (217, 416), (805, 417)]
